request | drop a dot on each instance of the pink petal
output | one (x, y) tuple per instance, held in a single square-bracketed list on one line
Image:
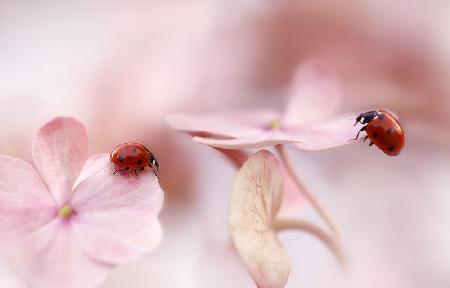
[(116, 217), (337, 132), (59, 152), (255, 200), (25, 202), (233, 124), (109, 239), (328, 134), (52, 257), (314, 95), (263, 139)]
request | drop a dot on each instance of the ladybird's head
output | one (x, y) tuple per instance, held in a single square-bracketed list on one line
[(154, 162), (366, 117), (359, 119)]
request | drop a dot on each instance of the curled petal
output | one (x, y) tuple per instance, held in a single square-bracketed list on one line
[(315, 95), (235, 124), (59, 152), (117, 214), (337, 132), (25, 202), (268, 138), (255, 201), (319, 136), (52, 257)]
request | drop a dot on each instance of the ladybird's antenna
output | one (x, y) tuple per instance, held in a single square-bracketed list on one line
[(156, 174), (153, 169)]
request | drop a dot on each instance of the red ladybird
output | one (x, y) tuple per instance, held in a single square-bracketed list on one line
[(135, 156), (383, 130)]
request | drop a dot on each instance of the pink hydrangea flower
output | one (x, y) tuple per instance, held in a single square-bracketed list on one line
[(68, 222), (308, 119)]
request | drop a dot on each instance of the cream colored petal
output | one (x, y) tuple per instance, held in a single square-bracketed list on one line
[(255, 201)]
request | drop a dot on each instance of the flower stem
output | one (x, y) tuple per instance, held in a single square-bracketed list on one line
[(310, 197), (329, 241)]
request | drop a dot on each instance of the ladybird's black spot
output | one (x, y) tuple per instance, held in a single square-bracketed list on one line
[(139, 162), (121, 159), (391, 148), (375, 135), (389, 131)]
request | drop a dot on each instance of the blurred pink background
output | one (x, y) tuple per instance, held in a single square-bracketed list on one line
[(121, 67)]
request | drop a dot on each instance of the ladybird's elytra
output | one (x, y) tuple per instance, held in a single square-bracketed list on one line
[(133, 156), (383, 130)]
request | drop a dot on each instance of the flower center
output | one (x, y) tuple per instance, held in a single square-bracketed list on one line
[(66, 212), (274, 125)]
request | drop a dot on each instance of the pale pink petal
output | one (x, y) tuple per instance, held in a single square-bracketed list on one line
[(263, 139), (315, 95), (337, 132), (59, 151), (100, 190), (255, 201), (117, 214), (52, 257), (25, 202), (232, 124), (90, 167), (327, 134), (112, 239)]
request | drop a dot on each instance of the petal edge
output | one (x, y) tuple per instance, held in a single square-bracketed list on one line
[(59, 151)]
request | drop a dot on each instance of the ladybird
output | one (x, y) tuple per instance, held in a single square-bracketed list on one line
[(383, 130), (133, 156)]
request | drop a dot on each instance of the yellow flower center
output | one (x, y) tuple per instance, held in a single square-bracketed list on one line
[(66, 211), (274, 125)]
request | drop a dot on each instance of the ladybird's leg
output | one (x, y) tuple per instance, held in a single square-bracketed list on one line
[(360, 130), (140, 169), (120, 170), (365, 138), (371, 143)]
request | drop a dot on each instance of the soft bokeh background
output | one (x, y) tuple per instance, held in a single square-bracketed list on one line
[(120, 67)]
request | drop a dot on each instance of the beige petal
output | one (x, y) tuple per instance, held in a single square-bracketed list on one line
[(255, 201)]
